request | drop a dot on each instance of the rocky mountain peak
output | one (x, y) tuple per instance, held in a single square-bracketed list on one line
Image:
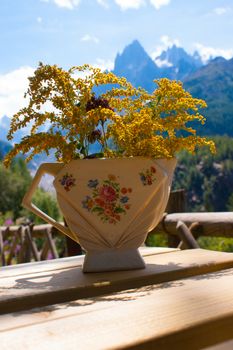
[(137, 66), (133, 57), (174, 55)]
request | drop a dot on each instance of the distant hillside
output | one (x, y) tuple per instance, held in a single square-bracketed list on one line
[(5, 147), (4, 128), (214, 83)]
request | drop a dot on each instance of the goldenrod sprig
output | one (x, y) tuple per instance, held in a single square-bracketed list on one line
[(134, 121)]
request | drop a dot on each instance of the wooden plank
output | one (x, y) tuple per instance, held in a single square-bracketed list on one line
[(64, 263), (228, 345), (44, 287), (209, 224), (184, 314)]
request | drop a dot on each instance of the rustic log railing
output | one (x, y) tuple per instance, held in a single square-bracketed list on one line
[(181, 227), (211, 224), (26, 243), (19, 244)]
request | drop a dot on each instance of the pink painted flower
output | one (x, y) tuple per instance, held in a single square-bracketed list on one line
[(69, 182), (107, 193), (108, 199), (149, 180), (153, 170)]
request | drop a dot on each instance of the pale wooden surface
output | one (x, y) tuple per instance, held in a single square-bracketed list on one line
[(73, 261), (228, 345), (185, 314), (39, 284), (28, 285)]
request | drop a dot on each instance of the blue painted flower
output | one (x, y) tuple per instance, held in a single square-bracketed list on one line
[(93, 183), (124, 199), (87, 203), (143, 178), (63, 181), (68, 181)]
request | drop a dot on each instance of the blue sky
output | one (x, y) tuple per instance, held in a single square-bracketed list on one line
[(73, 32)]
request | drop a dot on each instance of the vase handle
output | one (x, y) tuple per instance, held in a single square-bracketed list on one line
[(51, 169)]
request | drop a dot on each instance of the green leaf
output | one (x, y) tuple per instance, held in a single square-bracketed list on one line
[(98, 209), (119, 210)]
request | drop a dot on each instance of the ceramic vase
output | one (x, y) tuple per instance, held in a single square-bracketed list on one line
[(109, 206)]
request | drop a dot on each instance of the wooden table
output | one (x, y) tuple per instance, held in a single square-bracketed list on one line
[(182, 300)]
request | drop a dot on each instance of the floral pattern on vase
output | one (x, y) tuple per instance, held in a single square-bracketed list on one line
[(148, 176), (67, 181), (108, 199)]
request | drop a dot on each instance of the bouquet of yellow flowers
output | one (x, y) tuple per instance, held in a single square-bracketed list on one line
[(125, 121)]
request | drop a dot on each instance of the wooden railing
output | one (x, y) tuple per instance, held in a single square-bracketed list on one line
[(210, 224), (19, 244)]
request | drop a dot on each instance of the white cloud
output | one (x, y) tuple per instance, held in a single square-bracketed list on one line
[(166, 42), (91, 38), (169, 42), (220, 10), (127, 4), (69, 4), (136, 4), (103, 3), (207, 52), (104, 64), (13, 85), (159, 3), (163, 63)]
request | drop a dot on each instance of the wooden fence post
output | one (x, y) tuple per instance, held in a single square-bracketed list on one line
[(2, 254), (176, 204)]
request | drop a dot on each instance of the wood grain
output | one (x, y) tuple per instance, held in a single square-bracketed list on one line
[(52, 282), (65, 263), (190, 313)]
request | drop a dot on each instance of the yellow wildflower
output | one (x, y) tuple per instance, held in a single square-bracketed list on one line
[(127, 120)]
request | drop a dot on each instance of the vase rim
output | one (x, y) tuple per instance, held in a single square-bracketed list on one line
[(118, 158)]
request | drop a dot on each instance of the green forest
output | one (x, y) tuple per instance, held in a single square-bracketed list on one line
[(207, 178), (14, 183)]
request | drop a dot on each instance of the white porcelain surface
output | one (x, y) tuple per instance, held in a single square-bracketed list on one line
[(110, 205)]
